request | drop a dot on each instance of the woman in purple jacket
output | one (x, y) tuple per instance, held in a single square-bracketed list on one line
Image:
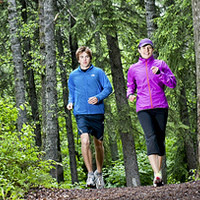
[(149, 76)]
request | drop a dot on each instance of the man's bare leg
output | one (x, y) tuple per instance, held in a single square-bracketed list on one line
[(86, 151), (99, 152)]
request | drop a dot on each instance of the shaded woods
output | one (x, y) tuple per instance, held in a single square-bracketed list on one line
[(39, 135)]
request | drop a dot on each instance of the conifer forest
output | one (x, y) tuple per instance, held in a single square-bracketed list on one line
[(39, 141)]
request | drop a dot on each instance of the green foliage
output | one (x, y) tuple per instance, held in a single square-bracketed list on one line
[(175, 44), (20, 162), (192, 175), (115, 174), (176, 165), (21, 165), (66, 160), (145, 170)]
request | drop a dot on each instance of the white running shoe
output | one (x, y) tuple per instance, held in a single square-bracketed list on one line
[(157, 182), (90, 180), (99, 180)]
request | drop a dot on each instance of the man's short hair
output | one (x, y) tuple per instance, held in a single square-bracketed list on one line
[(83, 49)]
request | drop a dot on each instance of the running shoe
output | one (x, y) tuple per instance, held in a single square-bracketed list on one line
[(99, 180), (90, 180), (157, 182)]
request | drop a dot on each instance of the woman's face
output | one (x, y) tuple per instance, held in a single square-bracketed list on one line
[(146, 51)]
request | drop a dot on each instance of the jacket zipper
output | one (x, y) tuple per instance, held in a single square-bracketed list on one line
[(86, 93), (148, 85)]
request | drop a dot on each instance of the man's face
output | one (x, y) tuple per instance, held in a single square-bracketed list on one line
[(146, 51), (84, 60)]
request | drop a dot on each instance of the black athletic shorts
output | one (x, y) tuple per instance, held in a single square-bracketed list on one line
[(91, 124), (153, 122)]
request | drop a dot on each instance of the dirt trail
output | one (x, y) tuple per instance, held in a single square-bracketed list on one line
[(183, 191)]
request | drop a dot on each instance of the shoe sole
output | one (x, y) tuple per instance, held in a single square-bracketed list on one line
[(99, 186), (158, 182), (90, 186)]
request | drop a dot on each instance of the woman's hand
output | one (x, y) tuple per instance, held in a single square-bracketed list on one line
[(155, 70), (131, 98)]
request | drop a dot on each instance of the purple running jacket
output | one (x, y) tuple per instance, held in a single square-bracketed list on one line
[(149, 86)]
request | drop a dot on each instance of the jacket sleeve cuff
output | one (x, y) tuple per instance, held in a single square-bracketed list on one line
[(129, 95), (158, 72)]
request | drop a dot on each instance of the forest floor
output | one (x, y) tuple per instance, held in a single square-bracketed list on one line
[(183, 191)]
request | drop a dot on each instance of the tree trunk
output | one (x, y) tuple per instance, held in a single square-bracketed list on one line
[(43, 69), (126, 132), (70, 135), (108, 120), (150, 8), (31, 81), (73, 43), (150, 15), (196, 22), (18, 64), (52, 145)]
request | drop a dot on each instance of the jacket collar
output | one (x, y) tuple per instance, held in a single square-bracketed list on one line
[(91, 66), (150, 59)]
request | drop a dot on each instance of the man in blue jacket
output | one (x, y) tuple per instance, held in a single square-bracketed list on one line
[(88, 87)]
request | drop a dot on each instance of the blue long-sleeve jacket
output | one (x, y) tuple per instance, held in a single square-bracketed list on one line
[(83, 85)]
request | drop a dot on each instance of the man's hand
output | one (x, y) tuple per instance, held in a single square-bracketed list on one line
[(92, 100), (70, 106), (131, 98)]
